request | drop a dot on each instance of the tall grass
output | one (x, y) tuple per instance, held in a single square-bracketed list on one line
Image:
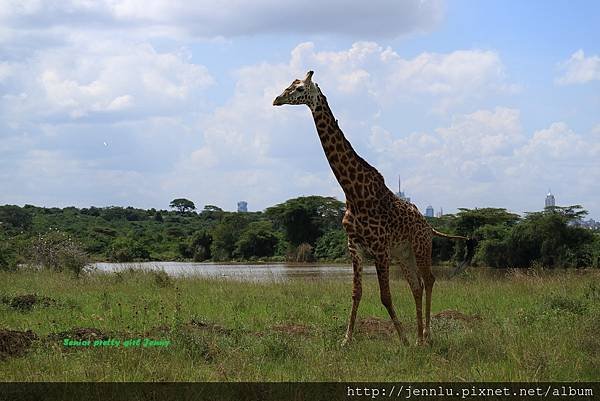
[(529, 327)]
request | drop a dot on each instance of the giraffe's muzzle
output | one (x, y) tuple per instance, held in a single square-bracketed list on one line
[(278, 101)]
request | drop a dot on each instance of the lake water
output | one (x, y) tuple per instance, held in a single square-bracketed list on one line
[(260, 272), (245, 272)]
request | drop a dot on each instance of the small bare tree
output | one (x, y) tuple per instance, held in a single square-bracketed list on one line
[(59, 251)]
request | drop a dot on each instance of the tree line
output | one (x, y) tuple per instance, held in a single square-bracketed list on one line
[(302, 229)]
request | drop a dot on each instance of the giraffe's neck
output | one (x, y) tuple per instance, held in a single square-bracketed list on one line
[(358, 179)]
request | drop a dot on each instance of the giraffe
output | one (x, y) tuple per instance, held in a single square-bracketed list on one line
[(377, 222)]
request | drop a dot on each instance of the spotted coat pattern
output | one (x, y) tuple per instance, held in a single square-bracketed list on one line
[(376, 221)]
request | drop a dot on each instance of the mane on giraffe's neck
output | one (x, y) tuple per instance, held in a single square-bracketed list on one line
[(357, 178)]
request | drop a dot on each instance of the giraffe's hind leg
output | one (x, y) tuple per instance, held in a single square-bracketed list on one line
[(424, 266), (356, 289), (382, 264), (416, 287), (406, 259)]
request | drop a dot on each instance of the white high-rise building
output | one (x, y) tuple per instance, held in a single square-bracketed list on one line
[(550, 202), (429, 211), (242, 207)]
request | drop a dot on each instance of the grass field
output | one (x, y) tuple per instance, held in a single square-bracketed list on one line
[(538, 326)]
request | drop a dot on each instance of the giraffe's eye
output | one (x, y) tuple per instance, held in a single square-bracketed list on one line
[(300, 89)]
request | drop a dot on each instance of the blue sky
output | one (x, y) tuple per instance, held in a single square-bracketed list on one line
[(474, 104)]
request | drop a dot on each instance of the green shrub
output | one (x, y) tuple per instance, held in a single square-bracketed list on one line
[(162, 279), (304, 253)]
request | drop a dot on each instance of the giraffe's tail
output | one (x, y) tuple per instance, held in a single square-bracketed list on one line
[(471, 244), (444, 235)]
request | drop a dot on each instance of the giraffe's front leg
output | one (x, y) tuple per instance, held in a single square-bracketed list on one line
[(356, 289)]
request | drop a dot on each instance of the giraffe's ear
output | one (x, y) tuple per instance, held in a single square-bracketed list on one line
[(309, 76)]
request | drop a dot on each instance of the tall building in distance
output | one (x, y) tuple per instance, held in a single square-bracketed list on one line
[(440, 213), (401, 194), (242, 207), (550, 202), (429, 211)]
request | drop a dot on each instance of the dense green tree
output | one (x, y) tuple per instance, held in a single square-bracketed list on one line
[(332, 245), (14, 219), (182, 205), (124, 249), (549, 238), (6, 254), (92, 211), (211, 208), (443, 248), (197, 247), (591, 252), (475, 223), (132, 214), (257, 240), (492, 249), (469, 220), (305, 219), (175, 231), (226, 234), (211, 214), (113, 213)]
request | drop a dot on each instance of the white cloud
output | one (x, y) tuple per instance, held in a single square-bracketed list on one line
[(442, 79), (470, 149), (579, 69), (485, 159), (376, 18), (484, 133), (249, 144), (5, 71), (558, 144), (248, 139), (53, 177), (87, 78)]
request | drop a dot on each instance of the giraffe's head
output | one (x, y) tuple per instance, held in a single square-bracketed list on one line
[(301, 91)]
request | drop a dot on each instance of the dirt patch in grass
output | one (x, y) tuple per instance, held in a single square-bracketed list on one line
[(158, 331), (202, 325), (80, 334), (15, 343), (456, 315), (294, 329), (374, 327), (26, 302)]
